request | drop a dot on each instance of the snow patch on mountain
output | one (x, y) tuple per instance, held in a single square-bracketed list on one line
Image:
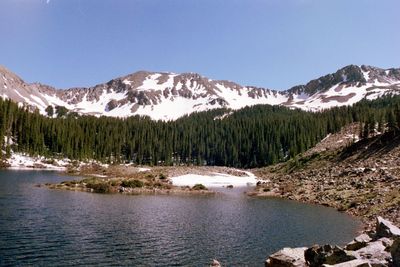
[(169, 96), (127, 82), (173, 108), (152, 83)]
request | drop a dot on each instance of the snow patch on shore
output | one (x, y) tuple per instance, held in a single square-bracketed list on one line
[(21, 161), (215, 180)]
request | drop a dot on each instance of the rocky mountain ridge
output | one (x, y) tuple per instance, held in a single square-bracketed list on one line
[(166, 96)]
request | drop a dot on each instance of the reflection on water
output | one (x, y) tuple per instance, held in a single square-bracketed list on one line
[(50, 227)]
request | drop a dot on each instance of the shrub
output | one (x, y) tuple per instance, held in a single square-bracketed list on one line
[(67, 183), (70, 183), (168, 186), (132, 183), (99, 187), (158, 184), (90, 180), (49, 161), (114, 182), (199, 187)]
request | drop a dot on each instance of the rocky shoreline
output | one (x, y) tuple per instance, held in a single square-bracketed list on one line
[(361, 179), (134, 191), (380, 247), (132, 180), (126, 179)]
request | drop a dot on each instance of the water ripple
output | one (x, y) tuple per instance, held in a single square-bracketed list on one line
[(59, 228)]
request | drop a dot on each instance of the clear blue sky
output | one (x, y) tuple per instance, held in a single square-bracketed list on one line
[(268, 43)]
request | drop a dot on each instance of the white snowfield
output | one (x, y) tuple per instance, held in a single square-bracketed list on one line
[(20, 161), (215, 180), (142, 169)]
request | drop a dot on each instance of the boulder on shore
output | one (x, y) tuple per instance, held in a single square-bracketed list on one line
[(366, 250), (384, 228), (215, 263), (353, 263), (287, 257), (358, 242), (374, 250), (318, 255)]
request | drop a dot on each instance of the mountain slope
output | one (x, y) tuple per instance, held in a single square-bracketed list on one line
[(163, 95), (361, 177)]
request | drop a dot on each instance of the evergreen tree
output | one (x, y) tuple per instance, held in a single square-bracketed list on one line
[(251, 137), (50, 111)]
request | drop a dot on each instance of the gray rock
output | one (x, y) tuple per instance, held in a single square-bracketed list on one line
[(215, 263), (353, 263), (374, 250), (287, 257), (395, 252), (384, 228), (378, 263), (387, 242), (319, 255), (358, 242), (379, 250), (363, 238)]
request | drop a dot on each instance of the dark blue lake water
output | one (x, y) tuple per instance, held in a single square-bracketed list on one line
[(39, 226)]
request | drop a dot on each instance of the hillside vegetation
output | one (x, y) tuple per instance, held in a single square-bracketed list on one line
[(251, 137), (361, 178)]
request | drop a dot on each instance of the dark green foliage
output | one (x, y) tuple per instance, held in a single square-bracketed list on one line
[(101, 187), (391, 121), (132, 183), (61, 111), (251, 137), (199, 187), (70, 183), (381, 124), (114, 183), (50, 111)]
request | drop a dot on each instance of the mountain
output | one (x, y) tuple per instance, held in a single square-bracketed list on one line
[(168, 96)]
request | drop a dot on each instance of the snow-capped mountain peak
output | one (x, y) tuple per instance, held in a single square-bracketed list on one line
[(166, 96)]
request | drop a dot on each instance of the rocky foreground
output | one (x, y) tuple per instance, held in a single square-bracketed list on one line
[(378, 248)]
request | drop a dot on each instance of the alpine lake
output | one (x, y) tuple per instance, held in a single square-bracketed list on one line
[(39, 226)]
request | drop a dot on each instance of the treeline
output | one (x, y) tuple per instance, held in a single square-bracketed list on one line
[(251, 137)]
